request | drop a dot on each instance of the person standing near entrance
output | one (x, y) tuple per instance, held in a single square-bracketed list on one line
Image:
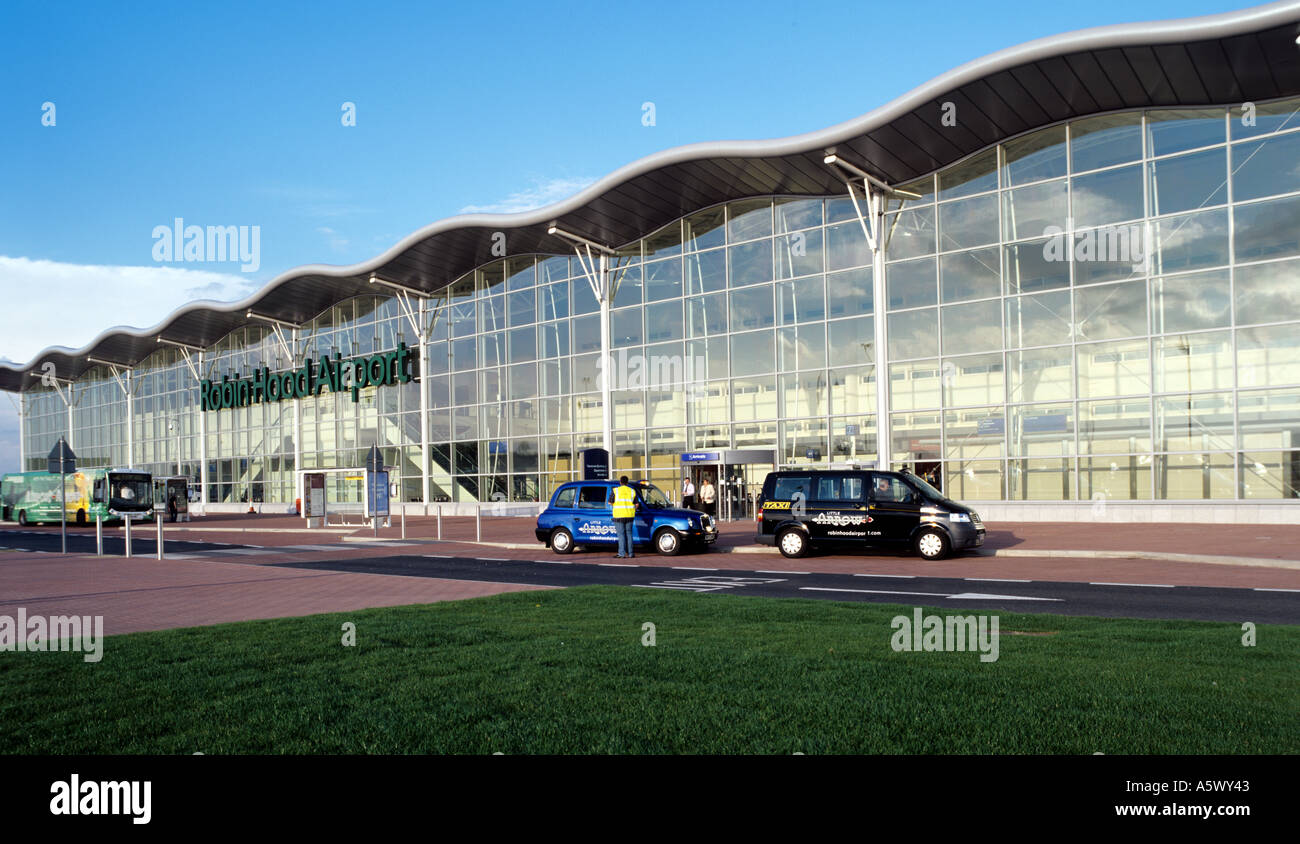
[(707, 496), (688, 493), (624, 511)]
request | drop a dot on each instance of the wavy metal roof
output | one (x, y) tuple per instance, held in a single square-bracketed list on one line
[(1247, 55)]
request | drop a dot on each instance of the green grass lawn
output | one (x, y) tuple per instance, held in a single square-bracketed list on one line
[(565, 672)]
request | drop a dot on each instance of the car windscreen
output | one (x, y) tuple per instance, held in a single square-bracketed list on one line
[(926, 490), (653, 496)]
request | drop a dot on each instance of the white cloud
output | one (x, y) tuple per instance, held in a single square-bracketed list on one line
[(542, 193), (56, 304)]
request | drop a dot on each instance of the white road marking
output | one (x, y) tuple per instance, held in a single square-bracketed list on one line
[(775, 571), (979, 596), (997, 580), (620, 565), (1270, 589), (439, 556), (1152, 585), (899, 576), (692, 568), (494, 559), (962, 596)]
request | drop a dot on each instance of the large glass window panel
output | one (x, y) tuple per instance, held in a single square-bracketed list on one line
[(463, 320), (974, 175), (520, 273), (801, 300), (492, 349), (1266, 167), (1114, 369), (1040, 374), (1176, 130), (911, 284), (975, 480), (974, 327), (1115, 426), (913, 386), (801, 347), (1038, 320), (583, 299), (523, 381), (1268, 356), (705, 229), (586, 372), (753, 398), (795, 214), (799, 253), (464, 389), (1028, 212), (1190, 302), (555, 338), (862, 440), (1110, 196), (1250, 120), (749, 263), (1268, 229), (706, 315), (913, 334), (1034, 157), (968, 223), (1195, 476), (628, 283), (753, 353), (853, 390), (1269, 419), (751, 308), (665, 242), (970, 275), (663, 279), (553, 377), (804, 394), (851, 341), (663, 321), (1104, 141), (846, 246), (1194, 422), (1271, 474), (910, 233), (849, 293), (586, 334), (714, 351), (710, 404), (492, 313), (1111, 311), (1118, 477), (552, 269), (1191, 242), (1268, 292), (972, 379), (915, 436), (1189, 182), (523, 344), (1036, 265), (975, 433), (1194, 361), (625, 327), (706, 272), (1041, 429), (748, 219)]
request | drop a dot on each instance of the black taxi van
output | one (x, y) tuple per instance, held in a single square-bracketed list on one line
[(852, 508)]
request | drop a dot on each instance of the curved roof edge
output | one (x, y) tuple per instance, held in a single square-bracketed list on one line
[(586, 204)]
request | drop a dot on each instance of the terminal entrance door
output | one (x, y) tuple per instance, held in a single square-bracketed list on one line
[(737, 476)]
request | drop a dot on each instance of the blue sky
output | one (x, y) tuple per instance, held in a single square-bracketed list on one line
[(229, 114)]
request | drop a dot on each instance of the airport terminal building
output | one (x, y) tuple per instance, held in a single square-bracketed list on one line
[(1062, 281)]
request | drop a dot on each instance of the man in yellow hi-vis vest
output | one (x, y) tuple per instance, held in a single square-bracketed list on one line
[(624, 511)]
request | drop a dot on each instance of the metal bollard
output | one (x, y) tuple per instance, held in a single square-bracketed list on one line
[(440, 521), (159, 521), (127, 517), (478, 522), (403, 522), (99, 534)]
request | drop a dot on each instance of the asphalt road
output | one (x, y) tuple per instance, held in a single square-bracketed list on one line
[(1105, 600), (142, 542)]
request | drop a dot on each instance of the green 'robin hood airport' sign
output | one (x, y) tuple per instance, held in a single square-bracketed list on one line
[(309, 379)]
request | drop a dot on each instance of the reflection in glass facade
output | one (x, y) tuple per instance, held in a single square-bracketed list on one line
[(1108, 308)]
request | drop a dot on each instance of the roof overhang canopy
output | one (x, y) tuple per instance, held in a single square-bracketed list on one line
[(1216, 60)]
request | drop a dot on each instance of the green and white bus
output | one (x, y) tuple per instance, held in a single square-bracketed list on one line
[(33, 497)]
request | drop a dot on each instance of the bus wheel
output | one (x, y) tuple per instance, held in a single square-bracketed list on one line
[(81, 517), (792, 542), (561, 541), (22, 518), (933, 545)]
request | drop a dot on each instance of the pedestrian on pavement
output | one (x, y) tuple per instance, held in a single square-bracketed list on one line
[(688, 493), (707, 496), (624, 512)]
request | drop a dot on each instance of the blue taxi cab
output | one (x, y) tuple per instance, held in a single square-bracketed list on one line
[(580, 514)]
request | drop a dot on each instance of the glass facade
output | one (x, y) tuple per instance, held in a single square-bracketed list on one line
[(1108, 308)]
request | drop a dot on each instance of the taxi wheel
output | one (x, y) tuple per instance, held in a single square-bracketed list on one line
[(792, 543), (668, 542), (81, 517), (562, 541), (933, 545)]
